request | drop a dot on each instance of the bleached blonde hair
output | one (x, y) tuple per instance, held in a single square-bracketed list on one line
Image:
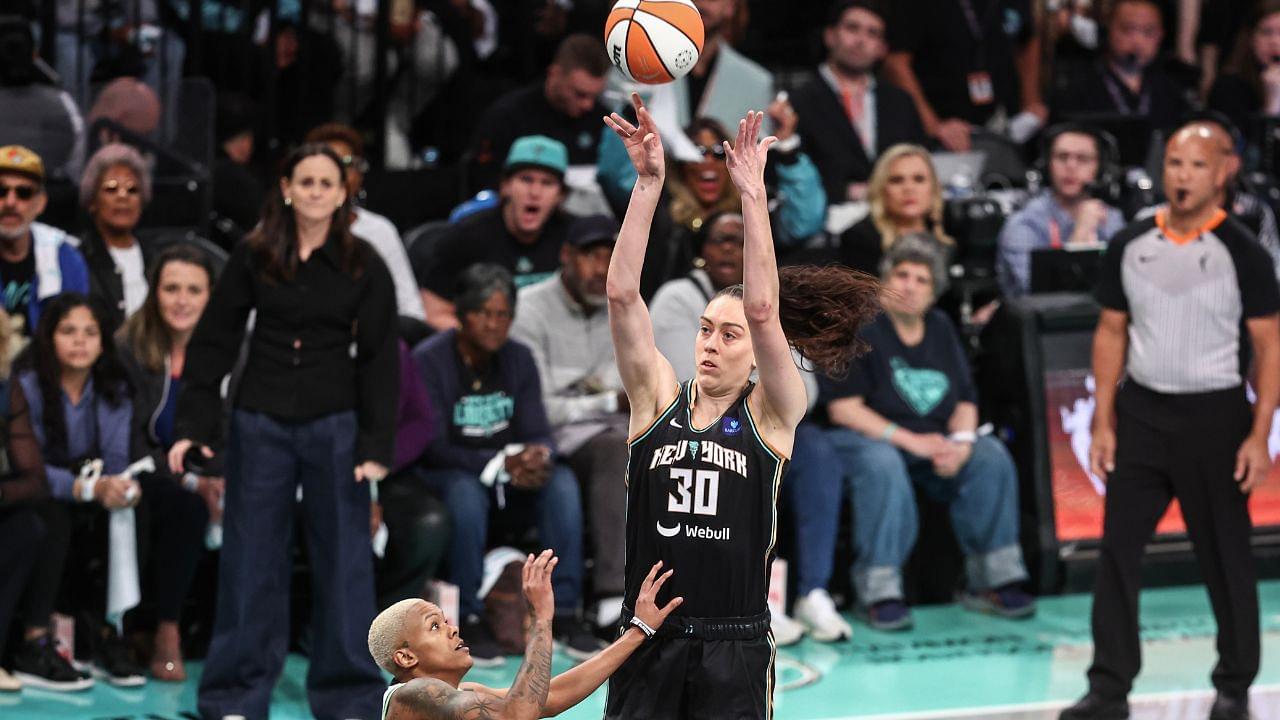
[(386, 633)]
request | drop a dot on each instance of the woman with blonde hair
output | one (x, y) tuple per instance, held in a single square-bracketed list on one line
[(905, 197)]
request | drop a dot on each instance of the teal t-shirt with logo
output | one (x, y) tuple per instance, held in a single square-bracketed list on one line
[(917, 386)]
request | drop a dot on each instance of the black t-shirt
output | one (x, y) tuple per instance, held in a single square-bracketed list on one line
[(483, 237), (526, 112), (1098, 91), (916, 387), (17, 280), (945, 49)]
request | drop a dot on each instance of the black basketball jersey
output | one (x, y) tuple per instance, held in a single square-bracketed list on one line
[(704, 502)]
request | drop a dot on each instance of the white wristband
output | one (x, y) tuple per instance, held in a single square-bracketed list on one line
[(87, 486), (967, 436), (644, 627)]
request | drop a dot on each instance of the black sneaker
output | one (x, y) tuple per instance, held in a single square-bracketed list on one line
[(574, 637), (113, 662), (38, 664), (480, 641), (1097, 707)]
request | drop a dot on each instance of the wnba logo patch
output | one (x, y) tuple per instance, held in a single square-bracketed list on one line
[(731, 426)]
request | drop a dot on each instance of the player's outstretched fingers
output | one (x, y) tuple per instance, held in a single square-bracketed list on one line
[(648, 579), (675, 603), (657, 584)]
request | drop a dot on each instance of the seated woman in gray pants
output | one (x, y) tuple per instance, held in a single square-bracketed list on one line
[(906, 417)]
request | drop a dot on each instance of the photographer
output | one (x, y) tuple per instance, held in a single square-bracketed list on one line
[(1063, 215)]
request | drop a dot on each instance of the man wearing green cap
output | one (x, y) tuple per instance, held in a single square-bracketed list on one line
[(523, 234), (37, 261)]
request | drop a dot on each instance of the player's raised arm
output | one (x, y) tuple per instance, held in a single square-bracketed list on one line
[(647, 376), (784, 393)]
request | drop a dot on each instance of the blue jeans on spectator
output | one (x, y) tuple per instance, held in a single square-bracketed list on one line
[(558, 510), (983, 499), (267, 460), (811, 490)]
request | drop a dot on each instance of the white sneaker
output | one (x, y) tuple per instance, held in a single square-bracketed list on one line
[(785, 630), (9, 683), (817, 612)]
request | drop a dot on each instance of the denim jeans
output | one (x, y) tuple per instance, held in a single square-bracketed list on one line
[(811, 492), (557, 508), (983, 499)]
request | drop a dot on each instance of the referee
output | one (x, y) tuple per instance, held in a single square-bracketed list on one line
[(1184, 295)]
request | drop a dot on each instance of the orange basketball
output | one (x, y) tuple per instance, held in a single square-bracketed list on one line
[(654, 41)]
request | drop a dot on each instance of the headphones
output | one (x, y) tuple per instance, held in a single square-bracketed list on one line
[(1106, 184)]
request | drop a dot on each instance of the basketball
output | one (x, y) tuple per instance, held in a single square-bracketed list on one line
[(654, 41)]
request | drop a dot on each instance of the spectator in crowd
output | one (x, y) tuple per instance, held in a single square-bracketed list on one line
[(1219, 35), (497, 448), (523, 234), (237, 186), (1249, 89), (36, 261), (848, 116), (964, 60), (907, 417), (308, 413), (563, 321), (120, 38), (565, 106), (153, 349), (904, 197), (114, 189), (23, 490), (129, 104), (700, 187), (1127, 80), (37, 115), (809, 492), (1063, 214), (417, 522), (78, 397), (368, 225)]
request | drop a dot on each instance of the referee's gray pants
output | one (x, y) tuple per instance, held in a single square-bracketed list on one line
[(1184, 447)]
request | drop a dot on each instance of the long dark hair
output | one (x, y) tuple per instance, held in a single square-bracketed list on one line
[(822, 310), (109, 380), (275, 239), (1242, 62), (144, 333)]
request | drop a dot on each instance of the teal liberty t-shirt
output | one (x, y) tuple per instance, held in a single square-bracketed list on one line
[(917, 386)]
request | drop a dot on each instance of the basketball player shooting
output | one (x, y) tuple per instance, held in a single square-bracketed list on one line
[(422, 650), (707, 456)]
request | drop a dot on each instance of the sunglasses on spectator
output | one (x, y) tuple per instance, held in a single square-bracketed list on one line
[(355, 162), (716, 151), (24, 192), (115, 187)]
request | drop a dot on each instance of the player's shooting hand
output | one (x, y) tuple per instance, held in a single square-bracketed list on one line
[(746, 157), (642, 141), (536, 584), (647, 601)]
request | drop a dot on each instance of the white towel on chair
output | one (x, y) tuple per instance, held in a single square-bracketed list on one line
[(123, 590)]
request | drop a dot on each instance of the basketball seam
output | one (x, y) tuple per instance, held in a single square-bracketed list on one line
[(670, 24), (652, 44)]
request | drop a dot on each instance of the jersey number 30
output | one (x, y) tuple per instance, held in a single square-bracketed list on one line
[(694, 493)]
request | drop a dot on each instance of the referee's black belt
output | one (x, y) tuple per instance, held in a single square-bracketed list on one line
[(751, 627)]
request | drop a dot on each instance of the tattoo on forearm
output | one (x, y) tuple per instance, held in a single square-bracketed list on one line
[(435, 700), (533, 681)]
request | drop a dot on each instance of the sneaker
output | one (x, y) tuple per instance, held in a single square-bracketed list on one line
[(817, 612), (38, 664), (1096, 707), (785, 630), (1227, 707), (1007, 601), (481, 643), (887, 615), (9, 683), (575, 637), (113, 662)]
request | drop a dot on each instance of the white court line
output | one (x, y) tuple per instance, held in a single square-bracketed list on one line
[(1048, 705)]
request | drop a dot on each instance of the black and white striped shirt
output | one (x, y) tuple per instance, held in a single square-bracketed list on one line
[(1187, 299)]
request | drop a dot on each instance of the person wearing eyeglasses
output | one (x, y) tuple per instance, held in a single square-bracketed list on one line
[(37, 261), (114, 188), (368, 225)]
